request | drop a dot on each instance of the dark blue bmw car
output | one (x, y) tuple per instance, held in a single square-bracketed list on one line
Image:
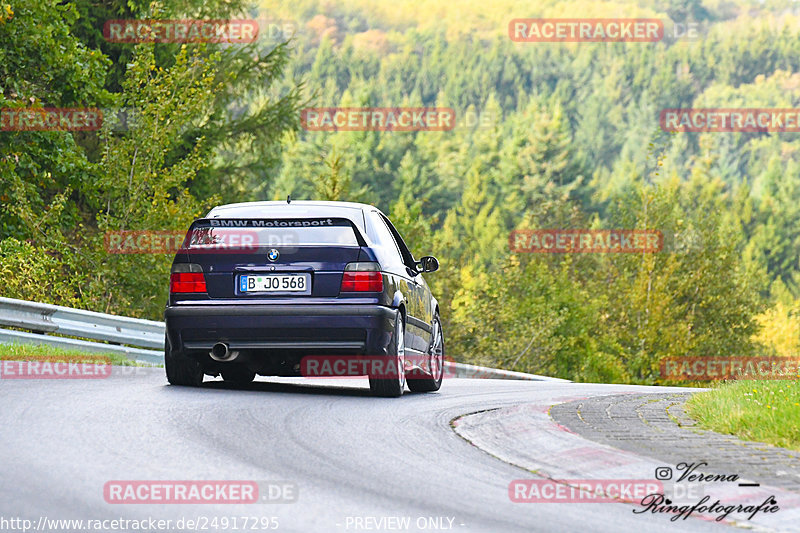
[(257, 287)]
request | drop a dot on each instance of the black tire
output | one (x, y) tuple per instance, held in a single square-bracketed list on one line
[(432, 380), (181, 370), (393, 388), (238, 374)]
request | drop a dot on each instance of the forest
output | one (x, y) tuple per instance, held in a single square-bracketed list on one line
[(548, 135)]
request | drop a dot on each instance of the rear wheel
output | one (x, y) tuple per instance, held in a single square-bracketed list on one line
[(393, 387), (432, 380), (238, 375), (181, 370)]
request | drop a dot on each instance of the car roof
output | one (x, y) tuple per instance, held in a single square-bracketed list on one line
[(296, 209)]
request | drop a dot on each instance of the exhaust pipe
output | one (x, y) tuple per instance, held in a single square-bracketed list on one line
[(221, 352)]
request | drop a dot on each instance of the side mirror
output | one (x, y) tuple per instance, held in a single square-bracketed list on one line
[(428, 264)]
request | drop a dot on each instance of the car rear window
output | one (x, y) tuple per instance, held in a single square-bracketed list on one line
[(221, 233)]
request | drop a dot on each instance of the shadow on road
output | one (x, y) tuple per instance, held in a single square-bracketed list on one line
[(296, 388), (271, 386)]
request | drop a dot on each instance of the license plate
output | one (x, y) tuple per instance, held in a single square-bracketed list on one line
[(295, 283)]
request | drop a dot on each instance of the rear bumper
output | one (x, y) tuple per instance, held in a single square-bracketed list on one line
[(306, 329)]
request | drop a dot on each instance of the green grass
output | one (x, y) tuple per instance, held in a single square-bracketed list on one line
[(41, 352), (763, 411)]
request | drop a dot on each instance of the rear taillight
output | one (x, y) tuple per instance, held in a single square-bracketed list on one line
[(187, 277), (362, 277)]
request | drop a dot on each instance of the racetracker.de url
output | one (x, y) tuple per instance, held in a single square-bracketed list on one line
[(198, 523)]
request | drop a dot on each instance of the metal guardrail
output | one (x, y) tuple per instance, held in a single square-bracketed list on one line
[(463, 370), (137, 354), (48, 322)]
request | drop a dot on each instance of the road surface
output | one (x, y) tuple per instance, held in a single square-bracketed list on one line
[(357, 463)]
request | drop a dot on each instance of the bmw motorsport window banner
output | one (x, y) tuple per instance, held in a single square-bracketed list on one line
[(271, 222)]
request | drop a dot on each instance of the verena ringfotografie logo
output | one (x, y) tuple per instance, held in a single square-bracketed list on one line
[(563, 241), (180, 31), (717, 368), (694, 473), (610, 30), (194, 492), (55, 369), (729, 120), (581, 490), (378, 118), (51, 119)]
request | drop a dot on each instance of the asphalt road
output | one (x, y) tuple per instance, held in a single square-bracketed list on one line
[(354, 459)]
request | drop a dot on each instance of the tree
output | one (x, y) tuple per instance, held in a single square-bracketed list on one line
[(407, 212)]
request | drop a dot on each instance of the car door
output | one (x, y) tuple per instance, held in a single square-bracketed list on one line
[(422, 318), (394, 265)]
